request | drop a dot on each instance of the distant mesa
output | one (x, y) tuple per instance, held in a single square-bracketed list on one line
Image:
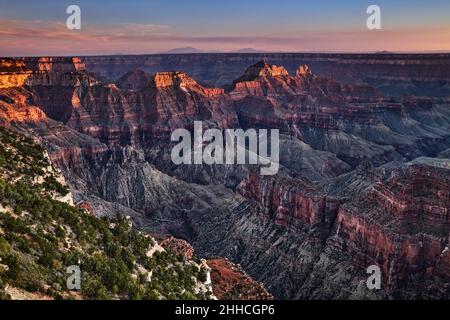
[(183, 50), (250, 50), (385, 52), (189, 50)]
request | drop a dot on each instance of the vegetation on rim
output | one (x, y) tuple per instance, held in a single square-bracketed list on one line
[(40, 237)]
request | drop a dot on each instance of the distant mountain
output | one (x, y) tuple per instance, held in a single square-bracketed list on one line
[(250, 50), (195, 50), (183, 50), (384, 52)]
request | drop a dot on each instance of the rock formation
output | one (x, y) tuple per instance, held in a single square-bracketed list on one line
[(364, 177), (393, 74), (230, 282)]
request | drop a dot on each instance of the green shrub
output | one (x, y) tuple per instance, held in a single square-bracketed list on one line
[(33, 245)]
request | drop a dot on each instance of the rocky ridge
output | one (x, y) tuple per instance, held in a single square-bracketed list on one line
[(393, 74)]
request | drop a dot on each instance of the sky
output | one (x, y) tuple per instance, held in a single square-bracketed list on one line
[(37, 28)]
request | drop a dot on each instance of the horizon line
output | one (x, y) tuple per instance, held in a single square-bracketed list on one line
[(418, 52)]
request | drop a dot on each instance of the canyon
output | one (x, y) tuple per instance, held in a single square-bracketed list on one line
[(364, 173), (393, 74)]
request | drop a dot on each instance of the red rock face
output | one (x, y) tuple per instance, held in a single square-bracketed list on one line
[(289, 202), (16, 106), (263, 79), (421, 191), (13, 73), (51, 64), (230, 282), (141, 110), (86, 206), (402, 225), (180, 247), (266, 94), (175, 97)]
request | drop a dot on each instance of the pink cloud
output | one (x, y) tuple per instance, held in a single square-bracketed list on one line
[(35, 37)]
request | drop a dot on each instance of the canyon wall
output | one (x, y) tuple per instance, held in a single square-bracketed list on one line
[(393, 74)]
